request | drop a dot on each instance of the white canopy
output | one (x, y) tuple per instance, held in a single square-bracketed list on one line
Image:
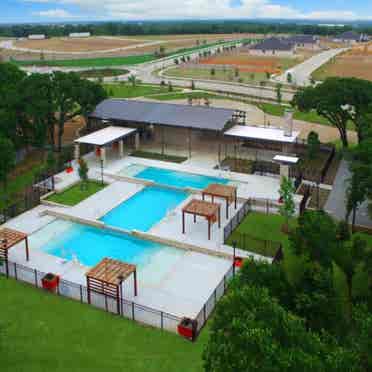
[(106, 136), (286, 159), (261, 133)]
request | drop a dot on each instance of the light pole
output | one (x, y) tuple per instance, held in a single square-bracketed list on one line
[(121, 278)]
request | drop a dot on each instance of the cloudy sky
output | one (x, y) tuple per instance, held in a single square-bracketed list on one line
[(69, 10)]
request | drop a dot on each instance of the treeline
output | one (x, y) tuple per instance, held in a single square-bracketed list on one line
[(173, 27), (34, 110)]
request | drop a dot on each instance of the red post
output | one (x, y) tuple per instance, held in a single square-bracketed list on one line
[(27, 250)]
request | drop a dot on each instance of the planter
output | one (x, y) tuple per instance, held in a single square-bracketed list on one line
[(69, 169), (238, 262), (50, 282), (187, 329)]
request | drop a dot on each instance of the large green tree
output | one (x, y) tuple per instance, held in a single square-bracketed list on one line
[(250, 331), (7, 159), (339, 100)]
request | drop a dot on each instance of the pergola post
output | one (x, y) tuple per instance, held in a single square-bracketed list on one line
[(135, 283), (27, 250), (183, 222), (137, 141), (77, 151), (189, 141), (121, 148), (162, 140)]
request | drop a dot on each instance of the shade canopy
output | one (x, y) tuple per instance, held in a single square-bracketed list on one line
[(285, 159), (185, 116), (261, 133), (106, 136)]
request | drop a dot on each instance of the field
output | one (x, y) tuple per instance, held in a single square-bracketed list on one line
[(128, 91), (354, 63), (240, 67), (67, 45), (43, 332)]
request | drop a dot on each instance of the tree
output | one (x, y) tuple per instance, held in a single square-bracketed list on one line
[(213, 71), (162, 51), (339, 100), (132, 80), (268, 75), (279, 95), (170, 86), (315, 238), (287, 208), (192, 85), (236, 72), (313, 145), (83, 172), (7, 162), (252, 332), (50, 162), (289, 78)]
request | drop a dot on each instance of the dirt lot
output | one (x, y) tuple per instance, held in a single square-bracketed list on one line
[(354, 63), (75, 45)]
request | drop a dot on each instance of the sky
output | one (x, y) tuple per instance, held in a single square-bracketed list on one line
[(97, 10)]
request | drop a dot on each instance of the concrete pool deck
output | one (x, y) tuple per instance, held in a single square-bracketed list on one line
[(189, 282)]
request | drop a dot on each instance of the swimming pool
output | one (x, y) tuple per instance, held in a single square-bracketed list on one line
[(171, 177), (90, 245), (144, 209)]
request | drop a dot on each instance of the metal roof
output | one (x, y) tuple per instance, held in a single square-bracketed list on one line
[(274, 43), (105, 136), (186, 116), (261, 133), (302, 39)]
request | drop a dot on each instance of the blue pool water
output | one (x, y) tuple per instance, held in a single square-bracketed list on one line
[(178, 179), (144, 209), (90, 245)]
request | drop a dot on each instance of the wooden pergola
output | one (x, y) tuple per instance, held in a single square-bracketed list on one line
[(107, 277), (8, 239), (217, 190), (211, 211)]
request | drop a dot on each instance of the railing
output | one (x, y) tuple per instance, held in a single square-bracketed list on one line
[(236, 219), (128, 309)]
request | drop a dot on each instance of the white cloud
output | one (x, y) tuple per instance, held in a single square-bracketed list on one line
[(163, 9), (54, 13)]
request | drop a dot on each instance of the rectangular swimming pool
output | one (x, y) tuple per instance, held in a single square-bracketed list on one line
[(170, 177), (90, 245), (144, 209)]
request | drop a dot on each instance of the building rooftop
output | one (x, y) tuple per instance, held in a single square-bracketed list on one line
[(106, 136), (274, 43), (198, 117), (302, 39)]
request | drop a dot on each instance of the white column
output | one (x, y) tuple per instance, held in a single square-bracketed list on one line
[(103, 155), (77, 151), (137, 141), (121, 148), (284, 170)]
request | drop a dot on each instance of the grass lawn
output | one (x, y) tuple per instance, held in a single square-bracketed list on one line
[(44, 332), (91, 62), (157, 156), (75, 194), (128, 91)]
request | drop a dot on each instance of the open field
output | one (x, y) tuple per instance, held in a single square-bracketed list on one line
[(90, 44), (47, 332), (354, 63)]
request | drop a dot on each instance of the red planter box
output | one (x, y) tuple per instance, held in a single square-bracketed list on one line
[(50, 282), (238, 262), (69, 170), (187, 329)]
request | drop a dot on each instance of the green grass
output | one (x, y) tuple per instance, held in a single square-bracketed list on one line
[(156, 156), (91, 62), (128, 91), (76, 193), (43, 332)]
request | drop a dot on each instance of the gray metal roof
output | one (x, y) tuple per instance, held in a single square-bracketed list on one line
[(350, 35), (274, 43), (163, 113), (302, 39)]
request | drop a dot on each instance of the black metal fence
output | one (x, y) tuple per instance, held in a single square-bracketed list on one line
[(128, 309), (43, 184), (236, 219)]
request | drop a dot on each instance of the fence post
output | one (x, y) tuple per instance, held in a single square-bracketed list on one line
[(81, 293), (162, 320), (15, 271), (133, 310), (205, 312), (35, 274)]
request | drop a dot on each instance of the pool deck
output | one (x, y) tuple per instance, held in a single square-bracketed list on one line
[(185, 288)]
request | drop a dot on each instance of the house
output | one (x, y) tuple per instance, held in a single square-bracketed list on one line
[(36, 37), (79, 34), (274, 46), (351, 37), (305, 41)]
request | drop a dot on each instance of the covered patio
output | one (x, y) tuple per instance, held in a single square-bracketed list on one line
[(103, 139), (8, 239), (202, 208), (107, 277)]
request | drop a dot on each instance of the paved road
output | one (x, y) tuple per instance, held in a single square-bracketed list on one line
[(336, 202), (301, 73)]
